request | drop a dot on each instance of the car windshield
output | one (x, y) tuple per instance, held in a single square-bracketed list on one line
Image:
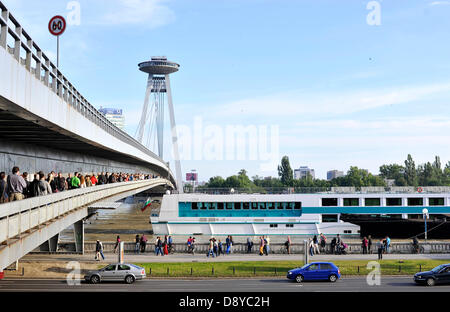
[(438, 268), (135, 266)]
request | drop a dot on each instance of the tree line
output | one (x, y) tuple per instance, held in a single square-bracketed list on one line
[(428, 174)]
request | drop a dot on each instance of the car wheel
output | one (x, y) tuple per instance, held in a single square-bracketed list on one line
[(333, 278), (129, 279), (95, 279), (430, 282), (299, 278)]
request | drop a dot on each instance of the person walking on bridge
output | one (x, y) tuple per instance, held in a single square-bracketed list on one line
[(3, 188), (16, 185), (43, 186), (75, 181)]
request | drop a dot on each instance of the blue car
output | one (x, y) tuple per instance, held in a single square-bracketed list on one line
[(316, 271)]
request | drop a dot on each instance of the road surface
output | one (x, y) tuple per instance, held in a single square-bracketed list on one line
[(351, 284)]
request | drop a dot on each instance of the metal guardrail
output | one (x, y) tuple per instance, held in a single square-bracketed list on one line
[(28, 54), (21, 216), (322, 190)]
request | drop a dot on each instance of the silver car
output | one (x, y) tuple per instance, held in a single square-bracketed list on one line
[(116, 272)]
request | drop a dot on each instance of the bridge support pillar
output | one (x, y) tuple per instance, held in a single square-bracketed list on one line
[(51, 245), (78, 231)]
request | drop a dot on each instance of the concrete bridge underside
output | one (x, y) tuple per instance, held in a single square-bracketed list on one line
[(34, 144)]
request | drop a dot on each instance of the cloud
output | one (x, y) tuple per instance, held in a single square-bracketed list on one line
[(149, 13), (321, 102), (434, 3)]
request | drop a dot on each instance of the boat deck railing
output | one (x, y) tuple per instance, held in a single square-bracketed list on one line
[(321, 190)]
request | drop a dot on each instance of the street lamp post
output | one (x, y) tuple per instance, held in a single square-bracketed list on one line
[(425, 217)]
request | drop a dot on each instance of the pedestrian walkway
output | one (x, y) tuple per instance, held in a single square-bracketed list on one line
[(148, 258)]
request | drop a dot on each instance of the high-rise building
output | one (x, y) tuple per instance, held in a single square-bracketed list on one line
[(333, 174), (303, 172), (115, 116)]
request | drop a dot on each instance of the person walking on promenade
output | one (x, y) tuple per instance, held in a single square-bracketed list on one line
[(170, 243), (165, 246), (316, 244), (143, 243), (288, 245), (311, 247), (211, 248), (231, 244), (228, 243), (117, 243), (101, 251), (15, 185), (369, 244), (158, 246), (364, 245), (137, 246), (216, 247), (380, 246), (267, 245), (333, 245), (388, 244), (323, 242), (249, 245), (3, 188), (98, 248), (261, 246), (219, 248)]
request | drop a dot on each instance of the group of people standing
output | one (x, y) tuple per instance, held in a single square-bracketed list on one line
[(163, 247), (18, 186)]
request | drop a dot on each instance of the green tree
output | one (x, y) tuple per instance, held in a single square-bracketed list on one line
[(410, 171), (285, 172)]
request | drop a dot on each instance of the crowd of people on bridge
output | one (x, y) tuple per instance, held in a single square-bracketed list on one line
[(17, 186)]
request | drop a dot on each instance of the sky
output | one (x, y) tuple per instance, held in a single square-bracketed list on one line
[(328, 83)]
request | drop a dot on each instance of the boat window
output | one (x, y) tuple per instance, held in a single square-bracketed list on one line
[(193, 207), (274, 225), (254, 206), (436, 201), (201, 206), (281, 205), (237, 206), (220, 206), (372, 202), (262, 205), (415, 201), (329, 202), (351, 201), (393, 201), (229, 205), (329, 218), (298, 205), (207, 205), (289, 225), (212, 206), (271, 205), (245, 205)]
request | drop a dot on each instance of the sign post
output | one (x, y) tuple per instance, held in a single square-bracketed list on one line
[(121, 252), (57, 26), (425, 217), (305, 252)]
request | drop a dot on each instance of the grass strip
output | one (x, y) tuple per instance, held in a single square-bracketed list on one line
[(280, 268)]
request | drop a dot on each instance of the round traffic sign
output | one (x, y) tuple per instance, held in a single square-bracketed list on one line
[(57, 25)]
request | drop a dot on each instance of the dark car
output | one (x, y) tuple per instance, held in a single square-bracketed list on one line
[(438, 275), (314, 272)]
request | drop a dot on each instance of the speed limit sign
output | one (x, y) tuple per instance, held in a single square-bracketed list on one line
[(57, 25)]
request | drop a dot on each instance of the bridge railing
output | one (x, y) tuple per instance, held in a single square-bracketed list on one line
[(21, 216), (18, 43)]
